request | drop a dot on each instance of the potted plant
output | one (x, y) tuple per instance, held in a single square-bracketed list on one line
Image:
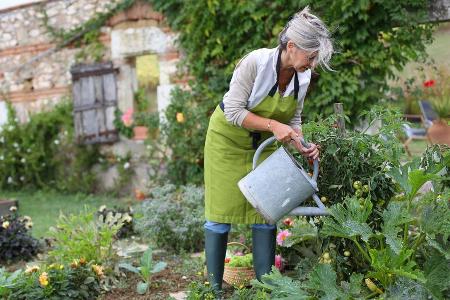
[(145, 123)]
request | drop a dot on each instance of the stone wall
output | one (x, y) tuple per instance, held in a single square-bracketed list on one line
[(23, 38), (34, 77)]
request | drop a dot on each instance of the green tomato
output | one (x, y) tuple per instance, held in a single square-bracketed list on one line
[(323, 199), (365, 188), (346, 253), (357, 185), (358, 193)]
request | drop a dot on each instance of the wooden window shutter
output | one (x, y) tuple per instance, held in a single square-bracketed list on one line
[(94, 92)]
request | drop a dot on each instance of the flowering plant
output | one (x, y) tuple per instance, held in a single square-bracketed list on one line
[(437, 91), (15, 240), (78, 280)]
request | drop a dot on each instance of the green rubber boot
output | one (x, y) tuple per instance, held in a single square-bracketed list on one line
[(263, 250), (215, 249)]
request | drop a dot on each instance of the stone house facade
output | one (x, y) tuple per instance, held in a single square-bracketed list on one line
[(35, 72)]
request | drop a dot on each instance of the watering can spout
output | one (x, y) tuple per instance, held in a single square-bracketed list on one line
[(320, 210)]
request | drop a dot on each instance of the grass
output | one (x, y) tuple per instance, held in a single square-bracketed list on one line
[(44, 207)]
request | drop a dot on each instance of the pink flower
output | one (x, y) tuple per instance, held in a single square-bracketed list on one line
[(282, 235), (127, 117), (279, 262), (288, 222)]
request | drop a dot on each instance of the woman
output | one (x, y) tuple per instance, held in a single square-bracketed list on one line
[(265, 98)]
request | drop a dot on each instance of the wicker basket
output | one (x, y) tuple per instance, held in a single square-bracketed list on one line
[(238, 276)]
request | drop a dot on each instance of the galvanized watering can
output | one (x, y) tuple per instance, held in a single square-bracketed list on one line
[(279, 185)]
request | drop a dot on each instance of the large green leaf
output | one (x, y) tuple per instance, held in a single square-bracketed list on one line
[(159, 266), (301, 231), (146, 262), (349, 220), (437, 275), (281, 287), (395, 215), (386, 263), (323, 280)]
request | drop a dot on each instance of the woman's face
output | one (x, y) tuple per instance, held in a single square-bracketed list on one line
[(300, 59)]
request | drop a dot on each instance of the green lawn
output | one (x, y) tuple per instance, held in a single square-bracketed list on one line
[(44, 207)]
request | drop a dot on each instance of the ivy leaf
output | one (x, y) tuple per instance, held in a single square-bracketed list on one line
[(281, 287), (349, 220), (395, 215)]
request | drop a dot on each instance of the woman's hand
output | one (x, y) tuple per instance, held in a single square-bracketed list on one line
[(282, 132), (312, 152), (286, 134)]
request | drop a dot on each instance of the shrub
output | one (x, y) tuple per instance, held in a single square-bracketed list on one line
[(173, 217), (42, 153), (79, 280), (16, 243)]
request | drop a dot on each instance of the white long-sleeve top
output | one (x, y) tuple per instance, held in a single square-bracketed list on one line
[(252, 80)]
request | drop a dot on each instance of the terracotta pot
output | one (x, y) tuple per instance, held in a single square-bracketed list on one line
[(140, 133), (439, 132), (5, 205)]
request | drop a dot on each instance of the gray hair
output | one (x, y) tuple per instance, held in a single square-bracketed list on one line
[(309, 33)]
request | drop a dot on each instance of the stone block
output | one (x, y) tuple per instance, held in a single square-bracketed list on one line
[(136, 41), (163, 98)]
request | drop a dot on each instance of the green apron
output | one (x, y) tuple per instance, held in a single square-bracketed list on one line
[(229, 151)]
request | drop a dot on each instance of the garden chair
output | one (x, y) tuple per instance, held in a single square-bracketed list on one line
[(428, 115)]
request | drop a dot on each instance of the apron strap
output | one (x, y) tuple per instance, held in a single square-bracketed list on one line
[(273, 90), (275, 86)]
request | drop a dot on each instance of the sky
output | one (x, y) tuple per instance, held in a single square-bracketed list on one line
[(9, 3)]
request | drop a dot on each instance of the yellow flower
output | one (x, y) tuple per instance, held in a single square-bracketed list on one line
[(98, 270), (31, 269), (180, 117), (5, 224), (74, 264), (82, 261), (43, 279)]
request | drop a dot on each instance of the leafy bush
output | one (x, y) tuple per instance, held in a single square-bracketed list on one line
[(42, 153), (373, 39), (173, 217), (356, 156), (84, 236), (16, 243), (75, 281)]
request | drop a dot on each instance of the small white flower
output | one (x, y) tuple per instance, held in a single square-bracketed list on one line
[(43, 164), (15, 145), (102, 208), (22, 178), (26, 218), (13, 208), (16, 120), (126, 165), (23, 160), (28, 150), (65, 132), (2, 139), (56, 142), (5, 224), (10, 180), (2, 157), (11, 128), (29, 225)]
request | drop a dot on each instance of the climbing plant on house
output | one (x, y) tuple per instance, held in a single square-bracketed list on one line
[(372, 39)]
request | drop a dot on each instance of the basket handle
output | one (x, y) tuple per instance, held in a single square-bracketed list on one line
[(239, 244)]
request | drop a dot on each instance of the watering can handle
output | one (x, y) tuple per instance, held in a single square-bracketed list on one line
[(270, 141)]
